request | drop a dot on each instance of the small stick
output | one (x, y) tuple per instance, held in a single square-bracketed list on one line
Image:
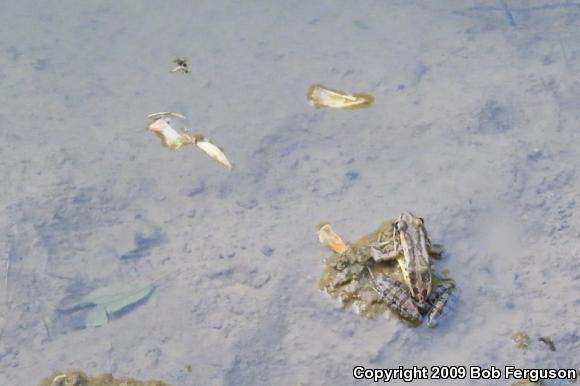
[(14, 232), (508, 14), (47, 329), (374, 282)]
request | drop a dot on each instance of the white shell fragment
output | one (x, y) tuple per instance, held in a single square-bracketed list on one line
[(174, 139), (320, 96)]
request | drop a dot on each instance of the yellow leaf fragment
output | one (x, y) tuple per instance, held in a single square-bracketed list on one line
[(320, 96), (328, 237)]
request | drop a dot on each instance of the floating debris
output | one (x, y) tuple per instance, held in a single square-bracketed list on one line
[(320, 96), (181, 65), (170, 137), (549, 342), (174, 139), (521, 339), (78, 378)]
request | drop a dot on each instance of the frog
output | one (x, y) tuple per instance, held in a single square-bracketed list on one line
[(410, 288)]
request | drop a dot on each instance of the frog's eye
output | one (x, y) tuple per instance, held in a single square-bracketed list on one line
[(422, 221), (400, 225)]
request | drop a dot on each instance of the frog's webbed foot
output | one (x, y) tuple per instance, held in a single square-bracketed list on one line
[(436, 250), (328, 237)]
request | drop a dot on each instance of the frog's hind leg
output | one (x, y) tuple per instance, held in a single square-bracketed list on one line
[(328, 237), (396, 297), (443, 300)]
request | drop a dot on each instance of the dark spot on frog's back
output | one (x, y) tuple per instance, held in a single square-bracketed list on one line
[(495, 118)]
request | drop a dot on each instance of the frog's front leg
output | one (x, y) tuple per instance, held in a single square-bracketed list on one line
[(379, 251), (436, 250)]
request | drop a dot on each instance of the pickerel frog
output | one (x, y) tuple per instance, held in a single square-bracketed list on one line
[(411, 289)]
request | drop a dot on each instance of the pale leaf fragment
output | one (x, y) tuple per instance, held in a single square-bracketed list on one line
[(109, 301), (212, 150), (170, 137), (96, 317), (321, 96)]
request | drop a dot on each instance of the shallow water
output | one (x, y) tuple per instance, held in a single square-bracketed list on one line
[(474, 127)]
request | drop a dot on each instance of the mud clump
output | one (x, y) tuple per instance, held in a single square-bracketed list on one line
[(79, 378), (346, 276)]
